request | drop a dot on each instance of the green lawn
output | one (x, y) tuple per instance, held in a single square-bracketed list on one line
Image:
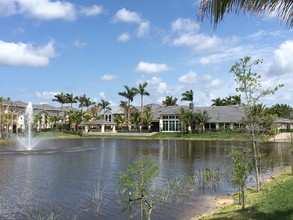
[(273, 202)]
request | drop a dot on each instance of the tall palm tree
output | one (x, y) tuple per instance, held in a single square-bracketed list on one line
[(61, 98), (70, 98), (142, 92), (82, 101), (217, 102), (170, 101), (187, 96), (104, 105), (217, 9), (88, 103), (129, 94)]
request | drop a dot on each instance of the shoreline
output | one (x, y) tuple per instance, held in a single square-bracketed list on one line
[(221, 201)]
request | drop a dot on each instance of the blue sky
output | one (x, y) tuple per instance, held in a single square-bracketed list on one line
[(96, 47)]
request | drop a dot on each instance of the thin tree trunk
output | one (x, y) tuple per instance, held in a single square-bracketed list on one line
[(256, 165), (243, 197)]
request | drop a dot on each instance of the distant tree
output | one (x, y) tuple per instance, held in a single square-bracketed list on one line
[(88, 103), (141, 90), (281, 110), (129, 94), (217, 9), (187, 96), (61, 98), (147, 116), (75, 118), (135, 119), (120, 120), (70, 98), (217, 102), (104, 105), (170, 101), (202, 118), (82, 99)]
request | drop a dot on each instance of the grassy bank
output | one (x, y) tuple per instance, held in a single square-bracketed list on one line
[(274, 201)]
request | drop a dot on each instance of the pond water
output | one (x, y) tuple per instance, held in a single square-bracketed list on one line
[(64, 174)]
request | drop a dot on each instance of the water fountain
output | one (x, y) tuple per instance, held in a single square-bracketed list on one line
[(27, 141)]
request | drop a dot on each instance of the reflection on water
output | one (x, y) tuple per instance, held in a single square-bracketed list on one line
[(66, 173)]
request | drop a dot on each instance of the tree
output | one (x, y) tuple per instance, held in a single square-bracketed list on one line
[(242, 167), (135, 119), (217, 102), (61, 98), (250, 86), (137, 189), (75, 118), (187, 96), (70, 98), (147, 116), (201, 117), (217, 9), (129, 94), (281, 110), (104, 105), (120, 120), (142, 92), (82, 99), (170, 101)]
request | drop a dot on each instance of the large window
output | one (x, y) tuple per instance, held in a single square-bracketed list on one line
[(170, 123)]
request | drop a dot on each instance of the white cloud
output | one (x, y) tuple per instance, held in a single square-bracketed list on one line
[(124, 15), (25, 54), (184, 24), (283, 59), (198, 42), (102, 95), (188, 78), (91, 11), (143, 29), (123, 37), (46, 95), (46, 9), (108, 77), (152, 67), (156, 85)]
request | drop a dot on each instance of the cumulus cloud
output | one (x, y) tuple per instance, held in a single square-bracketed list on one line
[(108, 77), (25, 54), (198, 42), (102, 95), (123, 37), (40, 9), (184, 24), (143, 29), (156, 84), (91, 11), (126, 16), (283, 59), (152, 67), (46, 95), (188, 78)]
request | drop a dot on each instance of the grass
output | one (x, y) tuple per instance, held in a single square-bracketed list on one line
[(274, 201)]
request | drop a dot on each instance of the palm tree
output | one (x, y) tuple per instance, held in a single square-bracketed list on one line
[(142, 92), (61, 98), (217, 102), (88, 103), (135, 119), (170, 101), (147, 116), (126, 108), (202, 118), (82, 101), (188, 96), (217, 9), (120, 120), (70, 98), (104, 105), (129, 94)]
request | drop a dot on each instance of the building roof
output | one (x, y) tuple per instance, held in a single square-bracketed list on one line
[(99, 122)]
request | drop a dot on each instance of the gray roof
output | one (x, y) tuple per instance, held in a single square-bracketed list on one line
[(217, 114)]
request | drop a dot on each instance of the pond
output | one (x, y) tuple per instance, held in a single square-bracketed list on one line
[(63, 175)]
